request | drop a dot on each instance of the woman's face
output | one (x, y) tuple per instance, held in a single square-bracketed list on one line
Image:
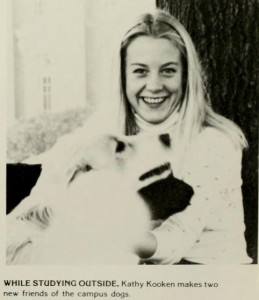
[(153, 78)]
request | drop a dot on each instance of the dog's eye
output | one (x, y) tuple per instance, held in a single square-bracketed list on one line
[(80, 169), (86, 168), (120, 147)]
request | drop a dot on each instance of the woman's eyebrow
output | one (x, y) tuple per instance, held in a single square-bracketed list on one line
[(170, 63), (138, 64), (163, 65)]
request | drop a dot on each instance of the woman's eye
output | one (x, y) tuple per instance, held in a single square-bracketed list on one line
[(168, 71), (140, 71)]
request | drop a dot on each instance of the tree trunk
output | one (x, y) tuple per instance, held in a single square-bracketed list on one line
[(226, 36)]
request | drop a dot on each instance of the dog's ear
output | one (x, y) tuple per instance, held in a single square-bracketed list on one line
[(166, 197), (39, 215)]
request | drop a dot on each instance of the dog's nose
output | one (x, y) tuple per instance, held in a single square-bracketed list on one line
[(120, 147), (165, 139)]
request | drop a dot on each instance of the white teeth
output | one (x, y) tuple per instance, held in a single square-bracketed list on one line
[(153, 100)]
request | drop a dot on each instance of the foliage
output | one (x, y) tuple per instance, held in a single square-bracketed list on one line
[(34, 136)]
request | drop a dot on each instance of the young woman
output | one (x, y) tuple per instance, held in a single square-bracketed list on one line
[(161, 90)]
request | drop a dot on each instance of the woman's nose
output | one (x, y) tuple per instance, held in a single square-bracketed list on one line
[(154, 83)]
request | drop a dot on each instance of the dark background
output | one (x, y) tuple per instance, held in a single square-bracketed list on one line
[(226, 36)]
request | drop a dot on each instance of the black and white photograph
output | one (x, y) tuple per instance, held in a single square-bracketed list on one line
[(131, 141)]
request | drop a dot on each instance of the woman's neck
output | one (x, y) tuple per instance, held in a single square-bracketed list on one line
[(164, 127)]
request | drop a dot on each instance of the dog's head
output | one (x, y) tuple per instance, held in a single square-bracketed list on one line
[(88, 202), (100, 210), (137, 159)]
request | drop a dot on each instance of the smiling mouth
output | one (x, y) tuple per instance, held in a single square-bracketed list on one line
[(154, 100)]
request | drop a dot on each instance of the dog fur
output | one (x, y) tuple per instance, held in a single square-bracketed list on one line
[(85, 207)]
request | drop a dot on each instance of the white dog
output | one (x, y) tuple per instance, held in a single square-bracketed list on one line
[(85, 207)]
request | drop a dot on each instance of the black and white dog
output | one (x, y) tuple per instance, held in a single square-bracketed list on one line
[(94, 200)]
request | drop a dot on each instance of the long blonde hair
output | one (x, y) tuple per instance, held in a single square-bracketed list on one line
[(195, 111)]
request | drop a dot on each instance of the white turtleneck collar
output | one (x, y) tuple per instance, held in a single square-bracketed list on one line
[(164, 127), (168, 126)]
